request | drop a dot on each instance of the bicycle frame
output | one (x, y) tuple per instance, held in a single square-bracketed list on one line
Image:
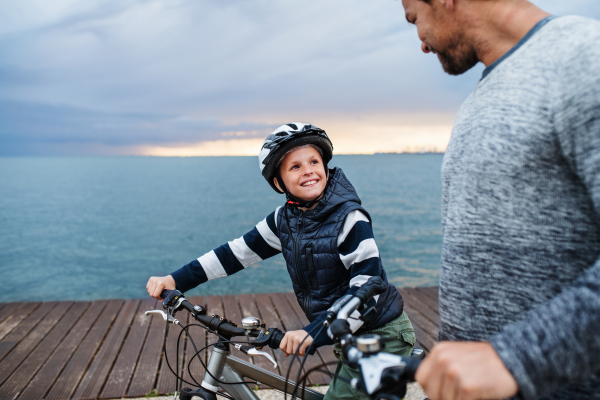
[(232, 369)]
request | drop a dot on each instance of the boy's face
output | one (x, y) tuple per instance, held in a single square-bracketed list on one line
[(303, 173)]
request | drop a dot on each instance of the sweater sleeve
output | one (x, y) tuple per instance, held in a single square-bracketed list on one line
[(557, 343), (359, 253), (259, 244)]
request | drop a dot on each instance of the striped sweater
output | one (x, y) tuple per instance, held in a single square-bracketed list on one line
[(356, 245)]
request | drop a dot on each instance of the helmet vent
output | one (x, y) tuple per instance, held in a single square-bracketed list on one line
[(293, 126)]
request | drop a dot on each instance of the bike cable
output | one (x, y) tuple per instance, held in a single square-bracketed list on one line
[(308, 350), (320, 368), (197, 354), (178, 378), (294, 357)]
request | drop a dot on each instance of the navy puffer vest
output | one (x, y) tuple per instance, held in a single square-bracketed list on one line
[(318, 275)]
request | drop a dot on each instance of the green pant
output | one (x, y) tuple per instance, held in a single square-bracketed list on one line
[(399, 338)]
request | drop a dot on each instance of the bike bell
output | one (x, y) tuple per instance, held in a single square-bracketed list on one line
[(369, 343), (250, 323)]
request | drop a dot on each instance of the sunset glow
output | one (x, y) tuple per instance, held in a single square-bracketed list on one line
[(376, 135)]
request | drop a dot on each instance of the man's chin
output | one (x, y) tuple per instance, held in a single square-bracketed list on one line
[(452, 66)]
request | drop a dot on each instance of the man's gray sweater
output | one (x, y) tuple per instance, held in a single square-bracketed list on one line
[(521, 212)]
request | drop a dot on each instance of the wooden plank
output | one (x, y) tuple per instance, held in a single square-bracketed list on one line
[(44, 379), (423, 338), (198, 335), (233, 313), (33, 339), (12, 314), (27, 370), (431, 291), (122, 371), (322, 355), (419, 319), (145, 374), (271, 320), (40, 363), (214, 305), (231, 309), (250, 309), (22, 327), (166, 379), (70, 376), (94, 379), (424, 309), (424, 299)]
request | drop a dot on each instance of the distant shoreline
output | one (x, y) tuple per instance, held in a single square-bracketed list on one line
[(206, 156)]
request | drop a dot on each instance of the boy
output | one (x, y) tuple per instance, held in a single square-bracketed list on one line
[(326, 239)]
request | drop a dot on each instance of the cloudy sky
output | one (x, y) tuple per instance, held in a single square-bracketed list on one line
[(195, 77)]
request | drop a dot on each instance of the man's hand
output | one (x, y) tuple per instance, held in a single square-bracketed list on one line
[(465, 371), (156, 284), (292, 339)]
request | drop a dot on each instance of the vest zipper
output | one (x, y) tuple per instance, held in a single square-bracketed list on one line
[(299, 274)]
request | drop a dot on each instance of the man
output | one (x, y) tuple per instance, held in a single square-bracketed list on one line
[(520, 271)]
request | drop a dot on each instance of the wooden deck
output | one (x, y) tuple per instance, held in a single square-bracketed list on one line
[(108, 349)]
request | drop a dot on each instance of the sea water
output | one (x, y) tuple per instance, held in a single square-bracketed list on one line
[(99, 227)]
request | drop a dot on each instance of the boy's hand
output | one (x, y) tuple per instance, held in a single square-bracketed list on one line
[(291, 341), (157, 284)]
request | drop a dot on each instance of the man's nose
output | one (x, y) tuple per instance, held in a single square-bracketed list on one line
[(425, 48)]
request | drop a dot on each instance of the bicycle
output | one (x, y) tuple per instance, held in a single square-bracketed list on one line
[(222, 369), (228, 372)]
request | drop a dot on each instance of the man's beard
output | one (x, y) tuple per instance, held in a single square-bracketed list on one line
[(458, 58)]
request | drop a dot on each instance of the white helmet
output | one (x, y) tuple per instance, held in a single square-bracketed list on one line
[(285, 138)]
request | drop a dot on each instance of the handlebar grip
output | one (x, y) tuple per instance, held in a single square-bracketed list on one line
[(170, 297), (276, 340), (412, 364), (374, 286)]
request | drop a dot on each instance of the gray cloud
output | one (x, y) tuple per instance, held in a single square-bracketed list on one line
[(127, 72), (27, 126)]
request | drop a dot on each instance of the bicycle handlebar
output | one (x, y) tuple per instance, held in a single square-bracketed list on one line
[(271, 337), (383, 375), (276, 340), (412, 364), (374, 286)]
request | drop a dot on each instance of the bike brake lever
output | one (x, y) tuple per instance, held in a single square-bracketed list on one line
[(164, 315), (253, 352)]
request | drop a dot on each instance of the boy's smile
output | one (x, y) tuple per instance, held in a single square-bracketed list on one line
[(303, 173)]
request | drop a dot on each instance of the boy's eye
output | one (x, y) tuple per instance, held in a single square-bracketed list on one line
[(315, 162)]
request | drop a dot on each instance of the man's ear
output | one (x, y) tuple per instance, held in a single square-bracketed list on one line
[(277, 184)]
